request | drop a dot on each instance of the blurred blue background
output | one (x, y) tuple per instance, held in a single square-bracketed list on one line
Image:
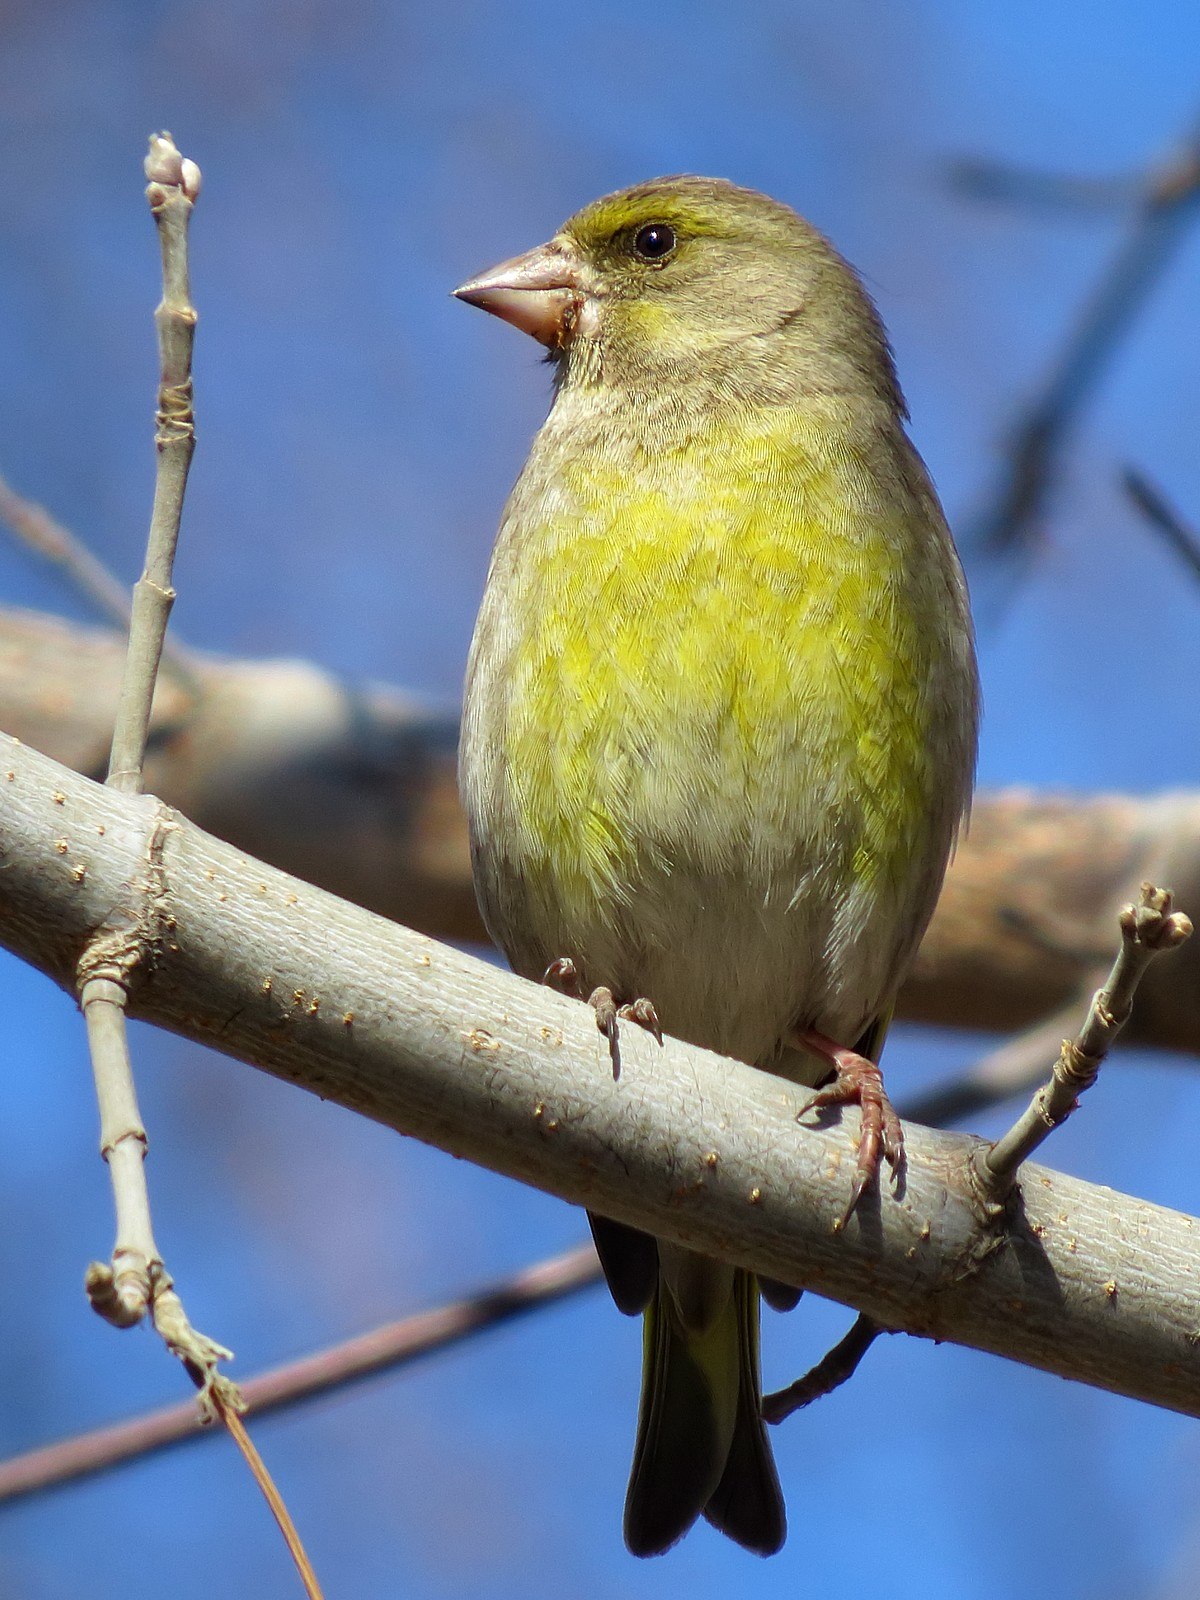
[(358, 433)]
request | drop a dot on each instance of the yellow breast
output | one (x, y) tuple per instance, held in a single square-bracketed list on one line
[(723, 665)]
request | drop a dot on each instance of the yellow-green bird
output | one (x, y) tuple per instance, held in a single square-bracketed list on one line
[(720, 721)]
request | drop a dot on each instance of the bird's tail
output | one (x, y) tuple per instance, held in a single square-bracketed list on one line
[(701, 1445)]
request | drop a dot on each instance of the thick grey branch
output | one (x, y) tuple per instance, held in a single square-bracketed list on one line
[(372, 814), (427, 1040)]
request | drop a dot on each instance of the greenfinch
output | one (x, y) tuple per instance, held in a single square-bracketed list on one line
[(720, 722)]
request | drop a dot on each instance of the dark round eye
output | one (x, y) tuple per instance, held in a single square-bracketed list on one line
[(655, 241)]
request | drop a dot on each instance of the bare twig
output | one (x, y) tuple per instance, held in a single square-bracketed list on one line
[(1183, 540), (1147, 930), (136, 1280), (834, 1369), (34, 525), (172, 190), (1169, 199), (44, 534), (274, 1499), (382, 1350)]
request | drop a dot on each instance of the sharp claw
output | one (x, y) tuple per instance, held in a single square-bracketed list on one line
[(562, 974), (605, 1007), (816, 1101), (643, 1013), (602, 1003), (893, 1146), (857, 1189)]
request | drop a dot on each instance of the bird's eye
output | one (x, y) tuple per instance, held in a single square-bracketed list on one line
[(655, 241)]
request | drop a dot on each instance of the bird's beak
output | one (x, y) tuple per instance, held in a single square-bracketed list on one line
[(541, 292)]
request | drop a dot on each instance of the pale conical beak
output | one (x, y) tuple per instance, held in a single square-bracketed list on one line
[(540, 292)]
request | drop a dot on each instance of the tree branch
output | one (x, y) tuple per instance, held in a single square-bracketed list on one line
[(373, 815), (1163, 518), (425, 1039), (1018, 1064)]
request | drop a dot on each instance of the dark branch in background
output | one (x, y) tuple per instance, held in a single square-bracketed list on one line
[(1182, 539), (1012, 521), (998, 183), (396, 1344)]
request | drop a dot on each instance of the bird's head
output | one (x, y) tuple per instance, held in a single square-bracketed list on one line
[(694, 281)]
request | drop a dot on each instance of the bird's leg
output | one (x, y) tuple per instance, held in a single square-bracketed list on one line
[(857, 1082), (562, 974)]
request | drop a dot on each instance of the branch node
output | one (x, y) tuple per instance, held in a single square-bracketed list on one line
[(126, 944), (120, 1295), (1147, 930)]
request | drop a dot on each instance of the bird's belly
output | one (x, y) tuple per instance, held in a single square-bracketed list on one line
[(719, 798)]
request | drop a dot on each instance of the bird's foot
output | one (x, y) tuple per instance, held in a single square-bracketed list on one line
[(604, 1004), (563, 974), (857, 1082)]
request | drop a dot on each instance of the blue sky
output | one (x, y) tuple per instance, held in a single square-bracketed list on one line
[(358, 433)]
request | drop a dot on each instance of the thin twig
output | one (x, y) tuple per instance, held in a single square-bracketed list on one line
[(833, 1370), (34, 526), (1169, 198), (274, 1499), (172, 190), (1183, 540), (136, 1280), (43, 533), (1147, 930), (370, 1354), (1014, 1067)]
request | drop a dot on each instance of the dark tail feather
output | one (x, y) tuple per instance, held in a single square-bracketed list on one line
[(747, 1504), (682, 1439), (779, 1296), (630, 1261)]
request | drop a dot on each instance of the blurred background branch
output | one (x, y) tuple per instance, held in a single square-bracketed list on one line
[(1012, 520), (1182, 539)]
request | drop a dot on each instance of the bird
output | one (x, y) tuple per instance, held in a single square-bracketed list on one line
[(719, 723)]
